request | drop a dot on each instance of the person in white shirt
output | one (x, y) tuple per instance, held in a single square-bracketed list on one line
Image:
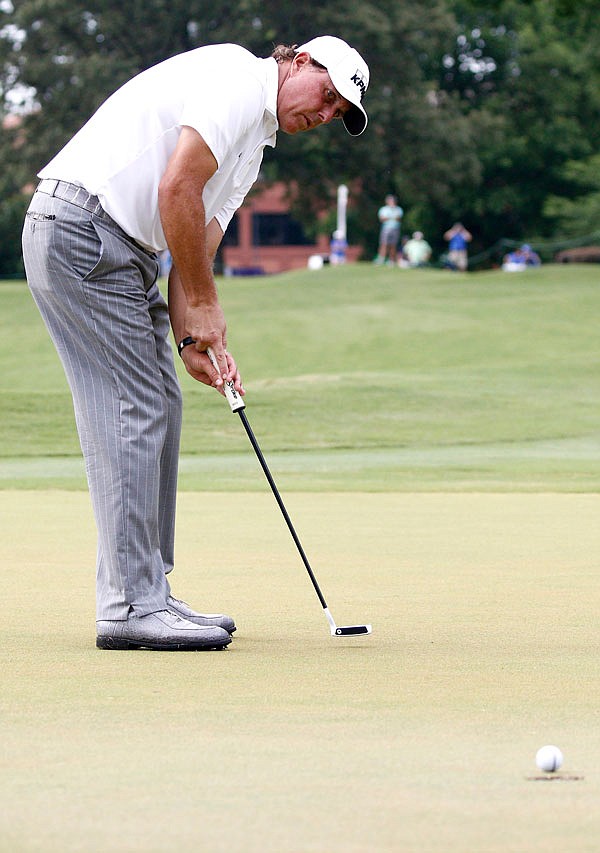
[(417, 250), (390, 217), (162, 165)]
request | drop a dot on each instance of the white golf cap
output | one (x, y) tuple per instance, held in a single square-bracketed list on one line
[(349, 74)]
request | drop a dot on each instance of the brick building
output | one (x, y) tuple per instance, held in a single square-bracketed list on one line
[(264, 238)]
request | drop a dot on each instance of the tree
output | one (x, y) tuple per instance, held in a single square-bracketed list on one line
[(578, 214), (538, 102), (66, 56), (476, 112), (73, 53), (417, 146), (13, 202)]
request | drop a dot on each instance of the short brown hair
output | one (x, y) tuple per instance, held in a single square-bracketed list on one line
[(286, 53)]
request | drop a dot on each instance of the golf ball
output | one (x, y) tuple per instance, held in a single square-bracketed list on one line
[(549, 758)]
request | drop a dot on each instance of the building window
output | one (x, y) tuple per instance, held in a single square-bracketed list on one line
[(230, 237), (277, 229)]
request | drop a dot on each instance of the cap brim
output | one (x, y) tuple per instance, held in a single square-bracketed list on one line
[(355, 120)]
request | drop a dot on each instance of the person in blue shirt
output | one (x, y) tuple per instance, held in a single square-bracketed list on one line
[(521, 259), (532, 259), (458, 239)]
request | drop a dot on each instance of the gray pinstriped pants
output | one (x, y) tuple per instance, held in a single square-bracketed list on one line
[(96, 290)]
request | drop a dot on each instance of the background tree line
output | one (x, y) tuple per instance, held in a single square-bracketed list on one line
[(488, 113)]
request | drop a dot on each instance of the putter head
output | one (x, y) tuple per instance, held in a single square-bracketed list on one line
[(346, 630), (351, 630)]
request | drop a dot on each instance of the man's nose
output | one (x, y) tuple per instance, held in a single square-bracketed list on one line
[(327, 113)]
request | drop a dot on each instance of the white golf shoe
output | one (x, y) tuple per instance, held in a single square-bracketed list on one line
[(161, 631), (220, 620)]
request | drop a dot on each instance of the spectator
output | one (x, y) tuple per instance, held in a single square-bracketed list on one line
[(513, 261), (520, 259), (390, 217), (337, 248), (417, 250), (458, 239), (532, 259)]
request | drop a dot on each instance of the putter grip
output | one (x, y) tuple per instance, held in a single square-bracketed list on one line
[(233, 398)]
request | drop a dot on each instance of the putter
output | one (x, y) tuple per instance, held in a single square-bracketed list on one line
[(237, 404)]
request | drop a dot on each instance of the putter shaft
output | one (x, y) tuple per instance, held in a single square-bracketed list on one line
[(284, 512), (236, 404)]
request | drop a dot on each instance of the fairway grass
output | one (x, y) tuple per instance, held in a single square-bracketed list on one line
[(358, 378), (436, 440), (419, 738)]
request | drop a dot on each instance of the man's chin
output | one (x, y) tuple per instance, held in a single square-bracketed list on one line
[(291, 127)]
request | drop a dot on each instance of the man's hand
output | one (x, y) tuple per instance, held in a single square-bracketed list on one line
[(206, 325), (198, 365)]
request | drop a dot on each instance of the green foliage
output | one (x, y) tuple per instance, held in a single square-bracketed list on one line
[(14, 195), (417, 146), (579, 213), (12, 210), (73, 54), (540, 101), (475, 111)]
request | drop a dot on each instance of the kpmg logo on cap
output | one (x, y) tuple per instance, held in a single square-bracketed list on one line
[(358, 78)]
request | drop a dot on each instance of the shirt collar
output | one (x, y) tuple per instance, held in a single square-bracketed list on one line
[(272, 80)]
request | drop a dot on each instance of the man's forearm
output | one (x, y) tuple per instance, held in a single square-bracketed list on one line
[(177, 296), (195, 311), (177, 305), (182, 215)]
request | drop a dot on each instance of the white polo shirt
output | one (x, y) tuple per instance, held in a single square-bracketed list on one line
[(223, 91)]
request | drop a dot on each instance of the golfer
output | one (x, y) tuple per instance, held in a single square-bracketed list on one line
[(163, 164)]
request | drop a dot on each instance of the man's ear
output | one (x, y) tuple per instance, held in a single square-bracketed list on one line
[(300, 60)]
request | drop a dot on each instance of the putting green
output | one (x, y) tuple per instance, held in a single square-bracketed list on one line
[(421, 737)]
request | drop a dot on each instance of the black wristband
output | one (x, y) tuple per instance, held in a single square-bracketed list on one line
[(184, 343)]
